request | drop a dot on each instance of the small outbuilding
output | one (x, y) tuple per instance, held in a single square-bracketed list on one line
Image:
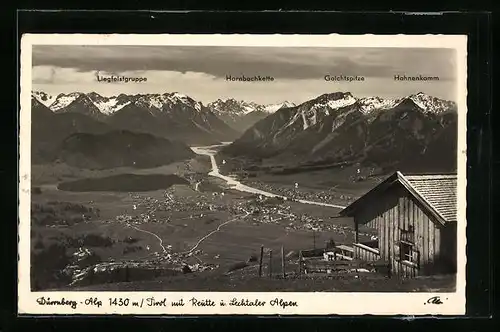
[(415, 217)]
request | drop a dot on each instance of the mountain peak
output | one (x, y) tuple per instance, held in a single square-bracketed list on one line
[(336, 95), (186, 100), (43, 98), (331, 101), (179, 95), (408, 102), (419, 95), (232, 106), (271, 108), (63, 100), (94, 95), (369, 104), (164, 102), (431, 104)]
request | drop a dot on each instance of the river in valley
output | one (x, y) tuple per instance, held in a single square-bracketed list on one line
[(233, 183)]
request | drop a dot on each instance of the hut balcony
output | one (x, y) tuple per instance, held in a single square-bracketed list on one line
[(367, 250)]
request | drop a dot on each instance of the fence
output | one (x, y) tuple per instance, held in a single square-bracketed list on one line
[(274, 263), (312, 253), (329, 267)]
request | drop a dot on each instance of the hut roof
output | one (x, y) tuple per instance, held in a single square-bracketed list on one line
[(436, 192)]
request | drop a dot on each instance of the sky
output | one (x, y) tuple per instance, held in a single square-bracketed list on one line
[(200, 71)]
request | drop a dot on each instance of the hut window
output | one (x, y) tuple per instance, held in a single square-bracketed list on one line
[(406, 252), (408, 235)]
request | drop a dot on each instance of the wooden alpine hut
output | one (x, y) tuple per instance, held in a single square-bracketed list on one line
[(415, 217)]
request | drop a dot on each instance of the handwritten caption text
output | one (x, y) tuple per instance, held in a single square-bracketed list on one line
[(120, 302)]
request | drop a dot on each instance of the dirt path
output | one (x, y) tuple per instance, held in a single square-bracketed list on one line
[(214, 231), (156, 236)]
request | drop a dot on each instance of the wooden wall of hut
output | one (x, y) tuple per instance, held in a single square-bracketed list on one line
[(397, 217)]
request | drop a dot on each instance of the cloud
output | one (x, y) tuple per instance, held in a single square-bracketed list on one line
[(280, 62), (56, 75), (200, 71)]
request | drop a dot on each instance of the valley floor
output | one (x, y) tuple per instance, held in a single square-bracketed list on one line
[(198, 236)]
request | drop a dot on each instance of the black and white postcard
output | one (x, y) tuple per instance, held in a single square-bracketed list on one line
[(242, 174)]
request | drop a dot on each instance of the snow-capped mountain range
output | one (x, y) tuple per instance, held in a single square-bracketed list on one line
[(241, 107), (312, 111), (366, 105), (237, 114), (428, 104), (170, 115), (110, 105), (241, 114), (338, 127)]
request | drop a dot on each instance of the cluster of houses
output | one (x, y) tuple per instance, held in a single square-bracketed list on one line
[(415, 218), (294, 193)]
